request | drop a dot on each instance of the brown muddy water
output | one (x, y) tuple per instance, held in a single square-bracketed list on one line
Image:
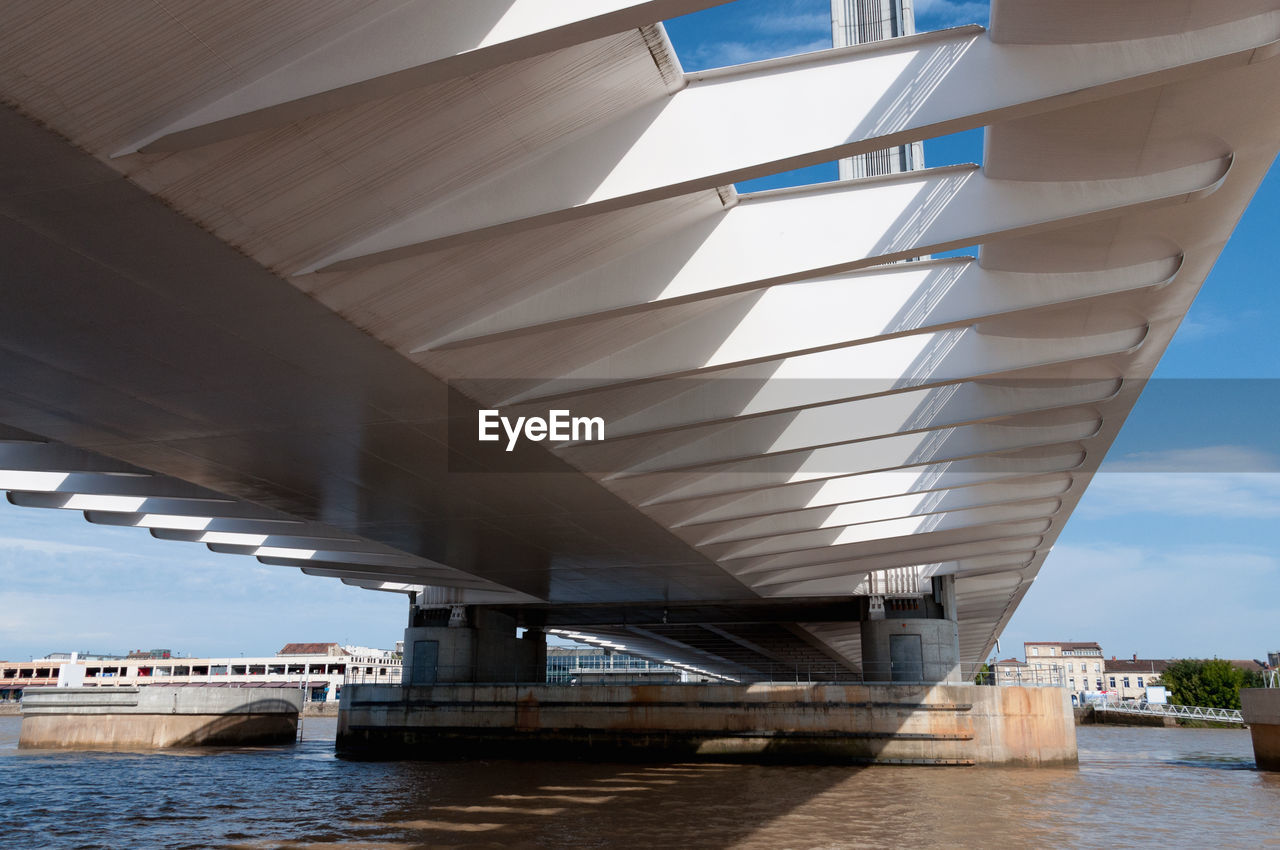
[(1134, 787)]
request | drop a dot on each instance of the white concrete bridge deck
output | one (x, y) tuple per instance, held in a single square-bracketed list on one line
[(262, 264)]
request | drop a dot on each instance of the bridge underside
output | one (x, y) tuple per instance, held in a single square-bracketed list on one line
[(264, 264)]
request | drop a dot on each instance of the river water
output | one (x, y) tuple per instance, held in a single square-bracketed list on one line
[(1134, 786)]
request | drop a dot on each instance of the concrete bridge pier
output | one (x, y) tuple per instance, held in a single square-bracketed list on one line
[(457, 643), (473, 689), (913, 639), (155, 716), (1260, 708)]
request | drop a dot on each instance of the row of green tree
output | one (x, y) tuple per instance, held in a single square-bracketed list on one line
[(1215, 683)]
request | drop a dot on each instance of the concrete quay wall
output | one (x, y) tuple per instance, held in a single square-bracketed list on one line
[(893, 724), (132, 718), (1260, 708)]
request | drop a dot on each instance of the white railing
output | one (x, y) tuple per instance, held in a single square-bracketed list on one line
[(381, 676), (1187, 712), (1024, 677)]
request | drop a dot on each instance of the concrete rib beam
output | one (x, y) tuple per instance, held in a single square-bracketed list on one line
[(1005, 562), (795, 234), (738, 123), (915, 412), (896, 507), (868, 488), (773, 415), (918, 529), (836, 561), (883, 454), (395, 47), (845, 310)]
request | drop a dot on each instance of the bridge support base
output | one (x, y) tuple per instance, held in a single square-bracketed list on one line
[(948, 724), (469, 644), (915, 639), (152, 717), (1260, 708)]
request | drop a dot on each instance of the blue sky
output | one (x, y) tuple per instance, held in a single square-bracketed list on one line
[(1172, 552)]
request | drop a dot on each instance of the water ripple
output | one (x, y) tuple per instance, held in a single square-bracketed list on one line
[(1134, 786)]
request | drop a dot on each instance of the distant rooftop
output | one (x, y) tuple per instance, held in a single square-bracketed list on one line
[(1137, 665), (311, 649), (1065, 644), (83, 656), (150, 653), (1159, 665)]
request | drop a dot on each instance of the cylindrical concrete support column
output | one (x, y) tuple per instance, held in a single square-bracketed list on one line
[(914, 650), (438, 654), (1261, 710), (478, 645)]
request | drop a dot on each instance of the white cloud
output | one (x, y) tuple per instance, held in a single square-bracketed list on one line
[(1160, 602), (1231, 482), (1202, 459), (787, 29), (1228, 495), (64, 592), (782, 21), (232, 613), (719, 54), (1203, 326), (47, 547), (936, 14)]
